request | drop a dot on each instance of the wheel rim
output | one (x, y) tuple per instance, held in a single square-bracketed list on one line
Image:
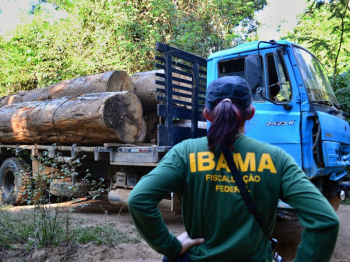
[(8, 182)]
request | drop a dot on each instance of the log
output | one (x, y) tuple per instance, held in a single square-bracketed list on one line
[(143, 132), (112, 81), (87, 119), (152, 121), (145, 88)]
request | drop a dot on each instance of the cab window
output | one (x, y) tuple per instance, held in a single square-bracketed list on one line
[(277, 78), (248, 68)]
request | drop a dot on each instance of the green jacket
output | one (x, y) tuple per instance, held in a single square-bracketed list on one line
[(213, 208)]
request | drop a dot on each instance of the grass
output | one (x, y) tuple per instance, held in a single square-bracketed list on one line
[(20, 228), (346, 202), (13, 228), (106, 235), (46, 223)]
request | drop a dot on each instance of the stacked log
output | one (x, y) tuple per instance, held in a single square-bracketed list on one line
[(143, 132), (82, 110), (152, 121), (87, 119), (145, 88), (143, 84), (112, 81)]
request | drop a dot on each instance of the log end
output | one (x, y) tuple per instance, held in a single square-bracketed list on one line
[(145, 88), (119, 81), (122, 113)]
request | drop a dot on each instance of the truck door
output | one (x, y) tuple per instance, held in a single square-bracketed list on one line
[(276, 121)]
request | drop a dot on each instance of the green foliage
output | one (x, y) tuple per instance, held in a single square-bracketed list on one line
[(18, 228), (324, 29), (342, 87), (37, 54), (116, 35), (346, 202), (46, 223), (103, 235), (14, 228)]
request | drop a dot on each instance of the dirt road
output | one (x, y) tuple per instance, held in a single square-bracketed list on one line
[(288, 233)]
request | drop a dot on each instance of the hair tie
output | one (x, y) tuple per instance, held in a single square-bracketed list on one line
[(227, 99)]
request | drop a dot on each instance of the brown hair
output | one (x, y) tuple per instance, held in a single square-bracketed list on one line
[(226, 121)]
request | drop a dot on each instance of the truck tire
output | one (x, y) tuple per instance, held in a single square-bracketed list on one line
[(12, 186), (67, 189)]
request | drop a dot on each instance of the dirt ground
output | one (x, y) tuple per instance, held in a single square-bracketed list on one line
[(287, 232)]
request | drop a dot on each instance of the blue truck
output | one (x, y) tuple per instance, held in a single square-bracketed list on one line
[(296, 109)]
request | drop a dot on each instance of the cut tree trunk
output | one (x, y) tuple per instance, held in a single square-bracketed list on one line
[(152, 121), (145, 88), (143, 132), (112, 81), (87, 119)]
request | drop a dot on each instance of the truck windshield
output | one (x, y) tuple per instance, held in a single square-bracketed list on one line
[(314, 76)]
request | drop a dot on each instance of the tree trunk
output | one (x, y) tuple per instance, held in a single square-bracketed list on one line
[(112, 81), (152, 121), (87, 119), (143, 132), (145, 88)]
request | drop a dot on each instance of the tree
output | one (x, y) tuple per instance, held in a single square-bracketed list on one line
[(116, 34), (327, 38), (339, 10), (342, 87)]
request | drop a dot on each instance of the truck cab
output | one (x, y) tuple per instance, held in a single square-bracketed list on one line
[(296, 109)]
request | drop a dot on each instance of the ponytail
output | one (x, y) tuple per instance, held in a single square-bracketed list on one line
[(227, 120)]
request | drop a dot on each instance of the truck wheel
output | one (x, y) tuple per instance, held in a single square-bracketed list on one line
[(12, 185), (67, 189)]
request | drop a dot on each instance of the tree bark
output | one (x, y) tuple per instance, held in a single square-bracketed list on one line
[(112, 81), (145, 88), (87, 119), (143, 132), (152, 121)]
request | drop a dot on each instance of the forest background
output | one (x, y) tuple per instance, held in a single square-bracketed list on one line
[(104, 35)]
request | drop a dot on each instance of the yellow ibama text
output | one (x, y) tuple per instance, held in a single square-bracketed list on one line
[(205, 161)]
